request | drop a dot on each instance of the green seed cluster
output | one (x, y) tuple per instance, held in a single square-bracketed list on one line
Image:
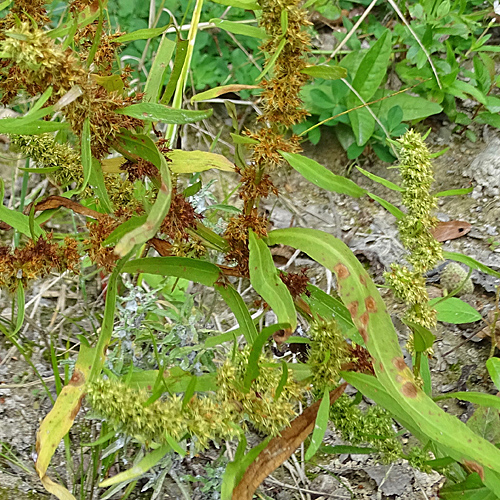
[(415, 230), (327, 354)]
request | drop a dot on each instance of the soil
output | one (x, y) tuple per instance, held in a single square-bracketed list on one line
[(458, 363)]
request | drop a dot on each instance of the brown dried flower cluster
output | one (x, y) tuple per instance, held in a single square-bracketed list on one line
[(180, 217), (296, 282), (104, 257), (36, 260), (139, 169)]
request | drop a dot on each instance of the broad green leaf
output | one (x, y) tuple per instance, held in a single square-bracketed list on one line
[(409, 404), (158, 70), (321, 176), (320, 426), (372, 70), (470, 489), (492, 119), (17, 220), (182, 267), (149, 461), (326, 72), (363, 126), (454, 310), (414, 108), (144, 147), (493, 366), (188, 162), (485, 422), (463, 89), (143, 34), (241, 4), (493, 104), (393, 210), (152, 112), (239, 28), (217, 91), (60, 419), (454, 192), (253, 368), (472, 263), (381, 180), (267, 283)]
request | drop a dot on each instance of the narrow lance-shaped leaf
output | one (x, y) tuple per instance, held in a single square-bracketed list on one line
[(370, 315), (152, 112), (320, 426), (321, 176), (266, 282)]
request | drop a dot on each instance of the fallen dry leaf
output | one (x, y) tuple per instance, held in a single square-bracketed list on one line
[(451, 230), (58, 201), (280, 449)]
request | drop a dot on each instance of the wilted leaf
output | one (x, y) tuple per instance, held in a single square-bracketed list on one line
[(451, 230)]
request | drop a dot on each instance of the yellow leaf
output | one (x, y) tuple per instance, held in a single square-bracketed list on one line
[(187, 162), (113, 165)]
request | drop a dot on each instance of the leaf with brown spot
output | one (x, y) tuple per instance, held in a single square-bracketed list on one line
[(60, 419), (280, 449), (450, 230)]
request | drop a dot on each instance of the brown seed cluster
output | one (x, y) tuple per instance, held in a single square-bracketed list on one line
[(104, 257), (296, 282), (36, 260), (180, 217)]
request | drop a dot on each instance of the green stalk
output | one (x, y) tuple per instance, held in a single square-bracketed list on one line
[(181, 82)]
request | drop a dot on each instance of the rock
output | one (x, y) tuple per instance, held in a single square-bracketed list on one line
[(391, 480)]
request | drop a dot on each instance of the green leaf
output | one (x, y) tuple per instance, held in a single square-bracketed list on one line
[(217, 91), (454, 310), (239, 28), (392, 209), (143, 146), (112, 83), (18, 220), (253, 369), (152, 112), (470, 489), (188, 162), (29, 126), (326, 72), (381, 180), (86, 155), (472, 263), (123, 229), (493, 104), (454, 192), (241, 139), (283, 380), (158, 70), (423, 338), (182, 267), (485, 422), (372, 70), (180, 57), (235, 302), (149, 461), (492, 119), (363, 126), (414, 108), (270, 62), (96, 180), (459, 89), (267, 283), (493, 366), (321, 176), (320, 426), (143, 34)]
